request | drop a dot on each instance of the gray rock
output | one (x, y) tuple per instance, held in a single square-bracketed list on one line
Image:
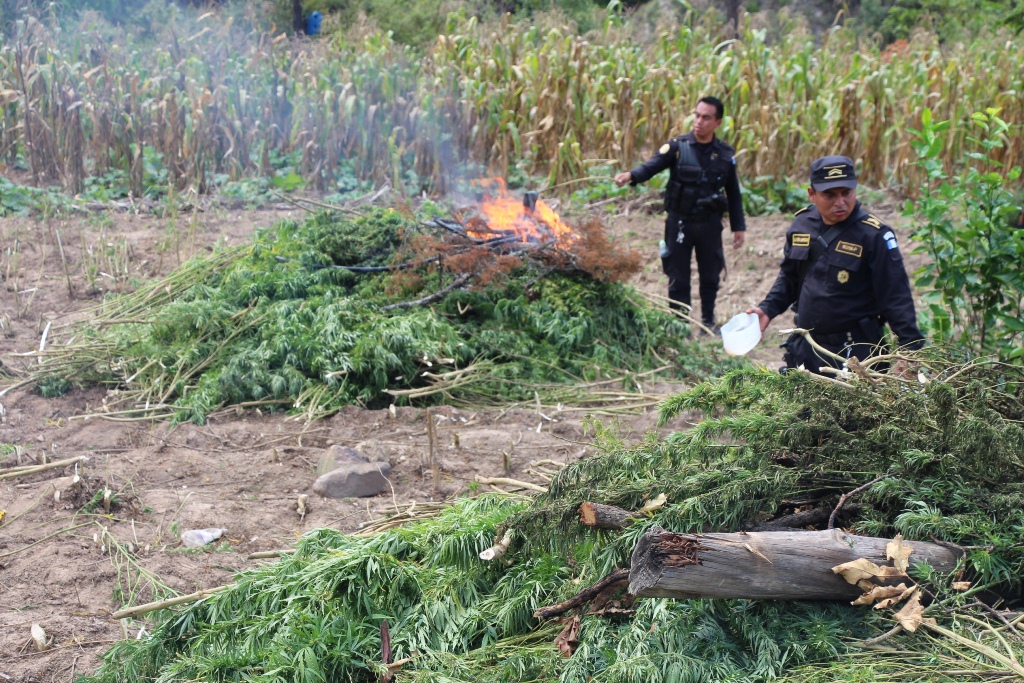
[(353, 480), (336, 456)]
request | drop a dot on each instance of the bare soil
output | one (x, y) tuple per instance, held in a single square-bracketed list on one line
[(66, 564)]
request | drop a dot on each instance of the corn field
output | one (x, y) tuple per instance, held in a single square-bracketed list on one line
[(207, 97)]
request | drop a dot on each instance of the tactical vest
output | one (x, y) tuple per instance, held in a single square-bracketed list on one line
[(693, 190)]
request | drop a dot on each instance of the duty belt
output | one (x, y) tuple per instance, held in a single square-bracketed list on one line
[(860, 328), (834, 338)]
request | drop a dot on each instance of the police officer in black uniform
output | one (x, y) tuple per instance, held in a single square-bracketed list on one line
[(843, 268), (702, 169)]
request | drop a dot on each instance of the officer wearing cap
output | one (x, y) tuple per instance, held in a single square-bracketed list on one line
[(843, 269), (702, 184)]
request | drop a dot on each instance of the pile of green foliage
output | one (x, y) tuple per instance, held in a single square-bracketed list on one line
[(279, 322), (954, 453)]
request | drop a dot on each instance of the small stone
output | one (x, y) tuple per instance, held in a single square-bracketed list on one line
[(336, 456), (353, 480)]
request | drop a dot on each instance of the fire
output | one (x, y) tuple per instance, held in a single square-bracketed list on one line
[(530, 219)]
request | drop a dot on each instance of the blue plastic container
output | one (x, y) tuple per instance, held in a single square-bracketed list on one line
[(313, 23)]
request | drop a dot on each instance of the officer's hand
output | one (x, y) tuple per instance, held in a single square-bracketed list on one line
[(738, 239), (762, 317), (623, 178)]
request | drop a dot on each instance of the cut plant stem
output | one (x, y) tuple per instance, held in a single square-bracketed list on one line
[(139, 610), (33, 469), (504, 481)]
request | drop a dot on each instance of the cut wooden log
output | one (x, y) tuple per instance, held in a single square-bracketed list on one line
[(779, 565), (605, 516)]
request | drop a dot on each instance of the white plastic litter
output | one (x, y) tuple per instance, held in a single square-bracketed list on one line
[(195, 538), (741, 333)]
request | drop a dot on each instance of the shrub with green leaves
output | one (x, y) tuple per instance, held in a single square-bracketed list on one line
[(967, 225)]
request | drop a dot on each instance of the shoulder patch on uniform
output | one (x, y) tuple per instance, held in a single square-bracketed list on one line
[(873, 221), (850, 248), (890, 239), (800, 239), (806, 208), (664, 149)]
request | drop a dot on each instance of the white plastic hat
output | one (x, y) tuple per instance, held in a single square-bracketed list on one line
[(741, 333)]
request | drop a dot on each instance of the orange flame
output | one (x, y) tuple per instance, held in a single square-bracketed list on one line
[(502, 214)]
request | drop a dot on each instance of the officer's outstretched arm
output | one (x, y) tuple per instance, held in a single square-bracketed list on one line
[(663, 159)]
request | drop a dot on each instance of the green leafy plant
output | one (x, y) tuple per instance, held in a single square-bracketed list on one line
[(288, 182), (766, 195), (20, 200), (967, 226)]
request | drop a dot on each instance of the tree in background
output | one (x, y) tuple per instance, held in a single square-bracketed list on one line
[(950, 19)]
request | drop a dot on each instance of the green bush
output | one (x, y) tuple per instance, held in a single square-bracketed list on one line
[(951, 20), (967, 225)]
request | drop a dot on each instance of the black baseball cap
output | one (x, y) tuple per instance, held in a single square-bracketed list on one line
[(832, 171)]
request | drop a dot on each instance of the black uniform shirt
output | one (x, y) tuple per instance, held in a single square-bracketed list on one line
[(666, 157), (861, 276)]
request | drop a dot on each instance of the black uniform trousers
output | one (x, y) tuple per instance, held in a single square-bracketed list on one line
[(704, 237), (863, 340)]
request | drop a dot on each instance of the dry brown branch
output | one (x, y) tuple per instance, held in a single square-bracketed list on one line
[(854, 364), (846, 496), (617, 578), (462, 279), (872, 642)]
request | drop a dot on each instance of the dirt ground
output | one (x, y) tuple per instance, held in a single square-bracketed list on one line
[(66, 563)]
